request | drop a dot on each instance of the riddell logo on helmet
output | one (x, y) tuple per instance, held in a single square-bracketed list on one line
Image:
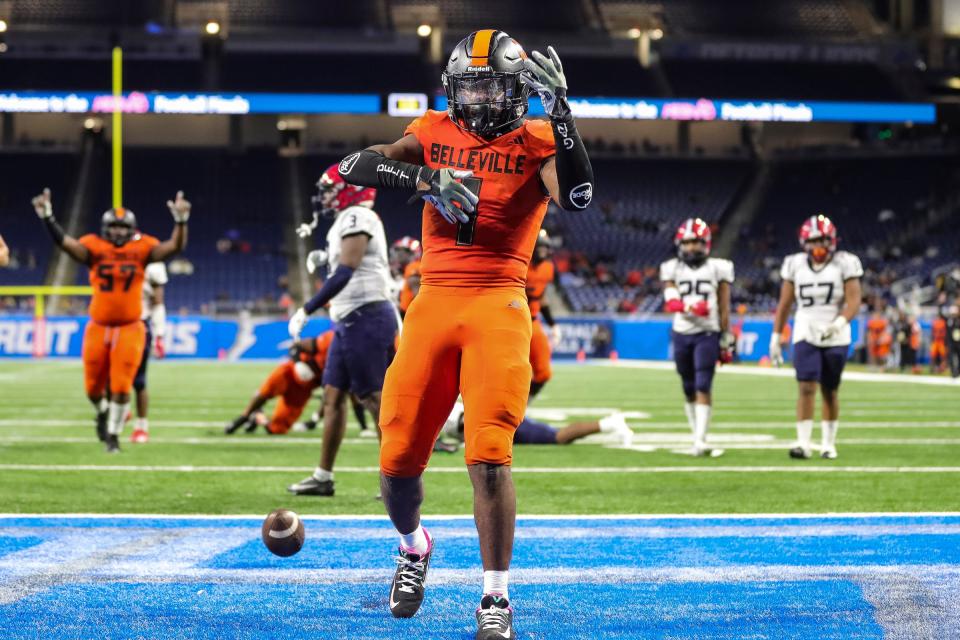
[(581, 195), (348, 163), (484, 68)]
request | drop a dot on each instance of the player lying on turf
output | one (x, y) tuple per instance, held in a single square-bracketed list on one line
[(154, 318), (825, 284), (540, 274), (696, 290), (531, 431), (358, 291), (486, 174), (293, 382), (114, 339)]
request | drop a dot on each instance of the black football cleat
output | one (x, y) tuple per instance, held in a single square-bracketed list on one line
[(495, 618), (310, 486), (409, 581), (799, 453), (236, 425), (113, 443), (101, 426)]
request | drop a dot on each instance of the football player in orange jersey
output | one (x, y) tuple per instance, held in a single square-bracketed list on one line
[(541, 274), (114, 338), (486, 174), (293, 381)]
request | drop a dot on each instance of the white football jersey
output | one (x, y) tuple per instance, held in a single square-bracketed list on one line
[(371, 281), (695, 284), (819, 294), (155, 275)]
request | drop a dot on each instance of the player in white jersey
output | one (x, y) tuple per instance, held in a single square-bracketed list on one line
[(357, 289), (825, 284), (154, 316), (696, 290)]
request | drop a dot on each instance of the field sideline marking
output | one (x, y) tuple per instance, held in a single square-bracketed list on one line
[(855, 376), (464, 516), (462, 470)]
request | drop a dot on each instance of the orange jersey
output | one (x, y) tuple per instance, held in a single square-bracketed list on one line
[(321, 347), (116, 275), (538, 277), (939, 330), (495, 247), (406, 293)]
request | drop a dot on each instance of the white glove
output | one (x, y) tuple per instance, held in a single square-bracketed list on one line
[(179, 207), (305, 230), (776, 354), (316, 259), (833, 329), (42, 204), (296, 324), (545, 76), (444, 193)]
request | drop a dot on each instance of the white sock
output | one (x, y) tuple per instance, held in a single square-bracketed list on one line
[(828, 436), (496, 582), (102, 405), (702, 422), (804, 433), (691, 416), (142, 424), (116, 416), (415, 541), (322, 474)]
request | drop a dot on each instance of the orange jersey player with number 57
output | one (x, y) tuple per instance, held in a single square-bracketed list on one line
[(114, 339), (486, 174)]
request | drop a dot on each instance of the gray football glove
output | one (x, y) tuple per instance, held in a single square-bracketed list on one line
[(444, 191), (546, 77)]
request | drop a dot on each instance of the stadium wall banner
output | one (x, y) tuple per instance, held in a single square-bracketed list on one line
[(260, 339), (412, 105)]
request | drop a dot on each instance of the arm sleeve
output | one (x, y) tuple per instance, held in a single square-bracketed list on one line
[(574, 171), (547, 314), (158, 320), (358, 220), (667, 272), (331, 287), (851, 267), (787, 271), (725, 271)]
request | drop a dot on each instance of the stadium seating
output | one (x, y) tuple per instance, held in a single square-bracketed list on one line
[(236, 232), (24, 176)]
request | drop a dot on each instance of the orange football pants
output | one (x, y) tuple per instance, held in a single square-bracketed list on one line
[(540, 354), (469, 341), (112, 353), (294, 396), (938, 350)]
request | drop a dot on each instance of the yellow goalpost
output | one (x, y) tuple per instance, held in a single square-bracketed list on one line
[(39, 294)]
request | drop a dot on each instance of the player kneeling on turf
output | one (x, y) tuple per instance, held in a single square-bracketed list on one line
[(293, 382), (696, 290), (531, 431), (825, 284)]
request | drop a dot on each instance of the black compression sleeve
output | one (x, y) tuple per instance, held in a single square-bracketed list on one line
[(574, 173), (371, 169), (55, 230), (547, 315)]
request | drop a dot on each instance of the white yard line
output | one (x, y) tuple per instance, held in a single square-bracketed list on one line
[(786, 372), (560, 516)]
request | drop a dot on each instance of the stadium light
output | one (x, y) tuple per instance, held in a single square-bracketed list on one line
[(424, 30), (212, 28), (656, 34), (634, 32), (3, 26), (3, 47)]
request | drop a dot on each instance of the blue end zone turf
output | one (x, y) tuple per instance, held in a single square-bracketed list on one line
[(834, 577)]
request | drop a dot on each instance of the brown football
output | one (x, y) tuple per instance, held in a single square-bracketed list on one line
[(282, 532)]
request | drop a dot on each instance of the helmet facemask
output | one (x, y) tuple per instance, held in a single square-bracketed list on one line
[(693, 251), (819, 249), (116, 229), (486, 103), (324, 203)]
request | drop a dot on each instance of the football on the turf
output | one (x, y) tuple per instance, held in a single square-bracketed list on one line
[(283, 532)]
